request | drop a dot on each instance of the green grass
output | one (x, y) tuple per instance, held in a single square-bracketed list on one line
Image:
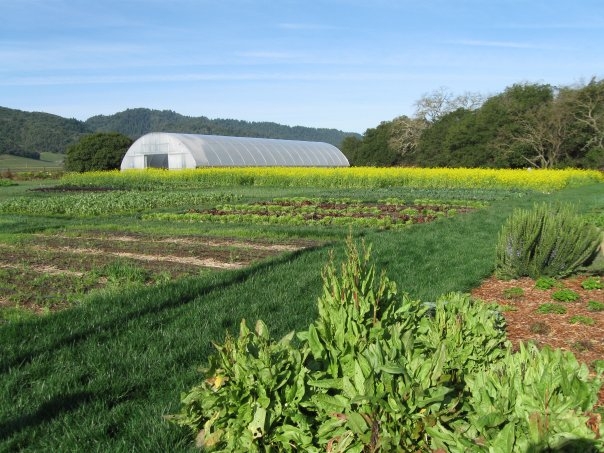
[(101, 376), (48, 161)]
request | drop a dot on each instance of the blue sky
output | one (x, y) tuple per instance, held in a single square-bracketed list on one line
[(346, 64)]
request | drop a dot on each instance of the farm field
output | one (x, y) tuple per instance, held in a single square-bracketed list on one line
[(112, 297)]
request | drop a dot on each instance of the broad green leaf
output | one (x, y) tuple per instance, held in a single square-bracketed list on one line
[(257, 425), (504, 441), (357, 423), (329, 404), (262, 329), (316, 347), (392, 369), (335, 384)]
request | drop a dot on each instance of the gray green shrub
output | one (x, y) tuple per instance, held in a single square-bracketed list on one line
[(551, 241)]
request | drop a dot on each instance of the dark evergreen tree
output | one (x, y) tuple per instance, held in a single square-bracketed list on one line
[(99, 151)]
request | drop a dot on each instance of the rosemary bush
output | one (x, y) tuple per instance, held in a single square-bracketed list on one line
[(551, 241)]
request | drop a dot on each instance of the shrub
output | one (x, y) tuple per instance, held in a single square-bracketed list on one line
[(373, 371), (565, 295), (545, 241)]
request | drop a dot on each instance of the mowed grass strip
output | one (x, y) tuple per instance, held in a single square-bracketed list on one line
[(101, 377)]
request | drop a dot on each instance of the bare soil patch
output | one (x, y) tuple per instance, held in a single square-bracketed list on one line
[(51, 272)]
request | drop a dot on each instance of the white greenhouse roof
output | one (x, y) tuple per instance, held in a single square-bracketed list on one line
[(171, 150)]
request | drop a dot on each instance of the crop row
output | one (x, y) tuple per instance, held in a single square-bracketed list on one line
[(108, 203), (312, 211), (349, 177)]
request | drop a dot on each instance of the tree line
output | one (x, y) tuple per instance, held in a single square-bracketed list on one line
[(527, 125), (29, 133), (139, 121)]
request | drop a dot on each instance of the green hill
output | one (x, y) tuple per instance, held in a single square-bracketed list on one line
[(27, 134), (140, 121)]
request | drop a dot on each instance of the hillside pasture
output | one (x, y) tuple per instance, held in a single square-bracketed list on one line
[(48, 161)]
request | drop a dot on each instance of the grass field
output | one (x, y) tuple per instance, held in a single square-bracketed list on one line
[(48, 161), (102, 374)]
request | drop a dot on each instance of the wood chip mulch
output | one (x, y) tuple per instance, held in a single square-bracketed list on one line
[(586, 342)]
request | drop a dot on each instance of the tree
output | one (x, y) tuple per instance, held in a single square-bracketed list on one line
[(100, 151), (405, 134), (374, 149), (350, 148), (588, 110), (545, 132), (433, 106)]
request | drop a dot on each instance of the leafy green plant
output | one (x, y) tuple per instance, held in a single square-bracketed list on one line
[(532, 400), (373, 372), (591, 283), (545, 283), (551, 241), (580, 319), (598, 366), (594, 305), (513, 293), (549, 308), (565, 295)]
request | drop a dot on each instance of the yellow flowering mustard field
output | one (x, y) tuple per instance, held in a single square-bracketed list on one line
[(350, 177)]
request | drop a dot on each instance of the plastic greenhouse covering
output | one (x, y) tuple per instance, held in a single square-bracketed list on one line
[(173, 151)]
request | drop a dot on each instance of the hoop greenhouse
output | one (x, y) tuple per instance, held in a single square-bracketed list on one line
[(176, 151)]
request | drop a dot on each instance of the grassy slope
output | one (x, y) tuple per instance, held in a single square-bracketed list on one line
[(100, 377), (48, 161)]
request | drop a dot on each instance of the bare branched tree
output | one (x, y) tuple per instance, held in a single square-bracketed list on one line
[(405, 133), (587, 104), (433, 106), (544, 132)]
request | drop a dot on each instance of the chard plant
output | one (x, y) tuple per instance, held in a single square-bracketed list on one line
[(532, 400)]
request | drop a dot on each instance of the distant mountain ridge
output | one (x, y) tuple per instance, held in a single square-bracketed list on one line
[(29, 133)]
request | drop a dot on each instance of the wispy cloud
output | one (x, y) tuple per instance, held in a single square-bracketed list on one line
[(305, 26), (200, 76), (269, 55), (501, 44)]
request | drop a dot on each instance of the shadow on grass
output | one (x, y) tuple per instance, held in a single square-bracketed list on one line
[(154, 300), (45, 412)]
